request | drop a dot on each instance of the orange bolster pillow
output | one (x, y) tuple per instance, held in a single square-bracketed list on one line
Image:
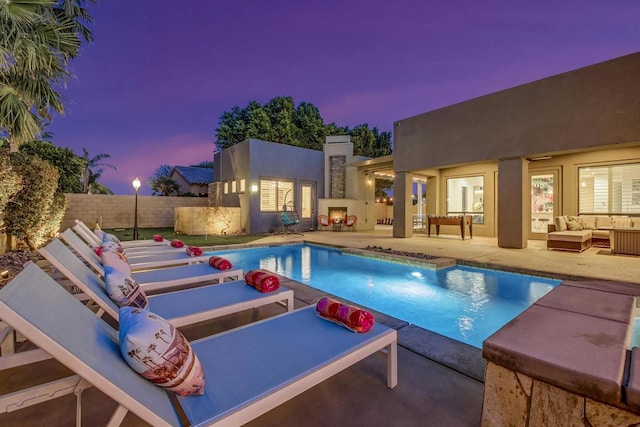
[(193, 251), (262, 280), (349, 316), (220, 263), (157, 238), (177, 243)]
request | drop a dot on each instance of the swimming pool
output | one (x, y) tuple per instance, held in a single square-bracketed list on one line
[(464, 303)]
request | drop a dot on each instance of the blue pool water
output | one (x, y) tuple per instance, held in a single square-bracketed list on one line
[(464, 303)]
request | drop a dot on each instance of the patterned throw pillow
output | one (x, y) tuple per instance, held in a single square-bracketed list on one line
[(115, 259), (574, 223), (262, 280), (220, 263), (123, 289), (99, 233), (159, 352), (108, 237), (349, 316)]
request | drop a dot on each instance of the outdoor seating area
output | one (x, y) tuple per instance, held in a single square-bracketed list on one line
[(577, 233), (61, 320)]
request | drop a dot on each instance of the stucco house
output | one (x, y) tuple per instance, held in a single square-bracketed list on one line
[(193, 179), (564, 145)]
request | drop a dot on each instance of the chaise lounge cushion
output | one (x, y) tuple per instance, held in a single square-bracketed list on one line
[(570, 236)]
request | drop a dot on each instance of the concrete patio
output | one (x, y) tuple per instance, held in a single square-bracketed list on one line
[(428, 393)]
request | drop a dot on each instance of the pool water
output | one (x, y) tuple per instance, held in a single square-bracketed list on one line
[(464, 303)]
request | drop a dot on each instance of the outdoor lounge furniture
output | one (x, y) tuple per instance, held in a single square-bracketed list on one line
[(323, 222), (237, 388), (180, 307), (577, 233), (127, 245), (142, 250), (154, 280), (350, 222), (137, 263)]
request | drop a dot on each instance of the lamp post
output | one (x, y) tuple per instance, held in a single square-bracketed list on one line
[(136, 186)]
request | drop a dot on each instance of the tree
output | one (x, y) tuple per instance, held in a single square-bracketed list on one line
[(90, 175), (204, 164), (310, 128), (164, 186), (39, 38), (280, 112), (280, 121), (162, 183), (69, 165)]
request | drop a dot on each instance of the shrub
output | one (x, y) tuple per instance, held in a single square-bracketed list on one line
[(10, 181), (32, 212)]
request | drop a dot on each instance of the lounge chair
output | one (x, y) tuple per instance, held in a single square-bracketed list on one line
[(136, 263), (323, 222), (180, 307), (127, 245), (260, 368), (94, 242), (350, 222), (61, 257)]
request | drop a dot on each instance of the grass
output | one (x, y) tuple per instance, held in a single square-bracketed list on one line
[(126, 234)]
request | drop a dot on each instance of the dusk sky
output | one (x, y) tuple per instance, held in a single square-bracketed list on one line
[(151, 87)]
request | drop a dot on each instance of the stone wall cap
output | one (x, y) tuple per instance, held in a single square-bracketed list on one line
[(577, 352)]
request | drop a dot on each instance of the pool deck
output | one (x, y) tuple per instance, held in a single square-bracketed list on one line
[(428, 393)]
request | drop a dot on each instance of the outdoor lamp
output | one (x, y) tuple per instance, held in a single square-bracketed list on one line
[(136, 186)]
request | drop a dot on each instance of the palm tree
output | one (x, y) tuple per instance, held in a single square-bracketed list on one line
[(39, 38), (164, 185), (89, 177)]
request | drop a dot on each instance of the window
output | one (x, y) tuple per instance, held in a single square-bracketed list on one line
[(243, 185), (306, 201), (609, 189), (272, 195), (233, 186), (226, 187), (465, 196)]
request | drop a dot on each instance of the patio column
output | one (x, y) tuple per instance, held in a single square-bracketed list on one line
[(512, 207), (402, 204)]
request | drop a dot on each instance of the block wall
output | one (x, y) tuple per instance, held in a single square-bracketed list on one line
[(115, 211), (217, 220)]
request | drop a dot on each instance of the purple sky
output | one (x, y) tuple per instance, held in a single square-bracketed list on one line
[(150, 89)]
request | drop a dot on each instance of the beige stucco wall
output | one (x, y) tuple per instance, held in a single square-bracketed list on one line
[(113, 211), (217, 220), (588, 107)]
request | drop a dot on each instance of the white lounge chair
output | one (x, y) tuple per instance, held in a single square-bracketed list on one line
[(180, 307), (62, 258), (260, 368), (94, 242), (128, 244), (136, 263)]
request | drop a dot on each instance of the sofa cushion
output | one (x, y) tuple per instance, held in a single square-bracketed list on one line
[(574, 223), (560, 223), (588, 222), (603, 221), (570, 236), (621, 221), (600, 234)]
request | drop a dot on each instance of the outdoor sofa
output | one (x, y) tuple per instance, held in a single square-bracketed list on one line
[(577, 233)]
